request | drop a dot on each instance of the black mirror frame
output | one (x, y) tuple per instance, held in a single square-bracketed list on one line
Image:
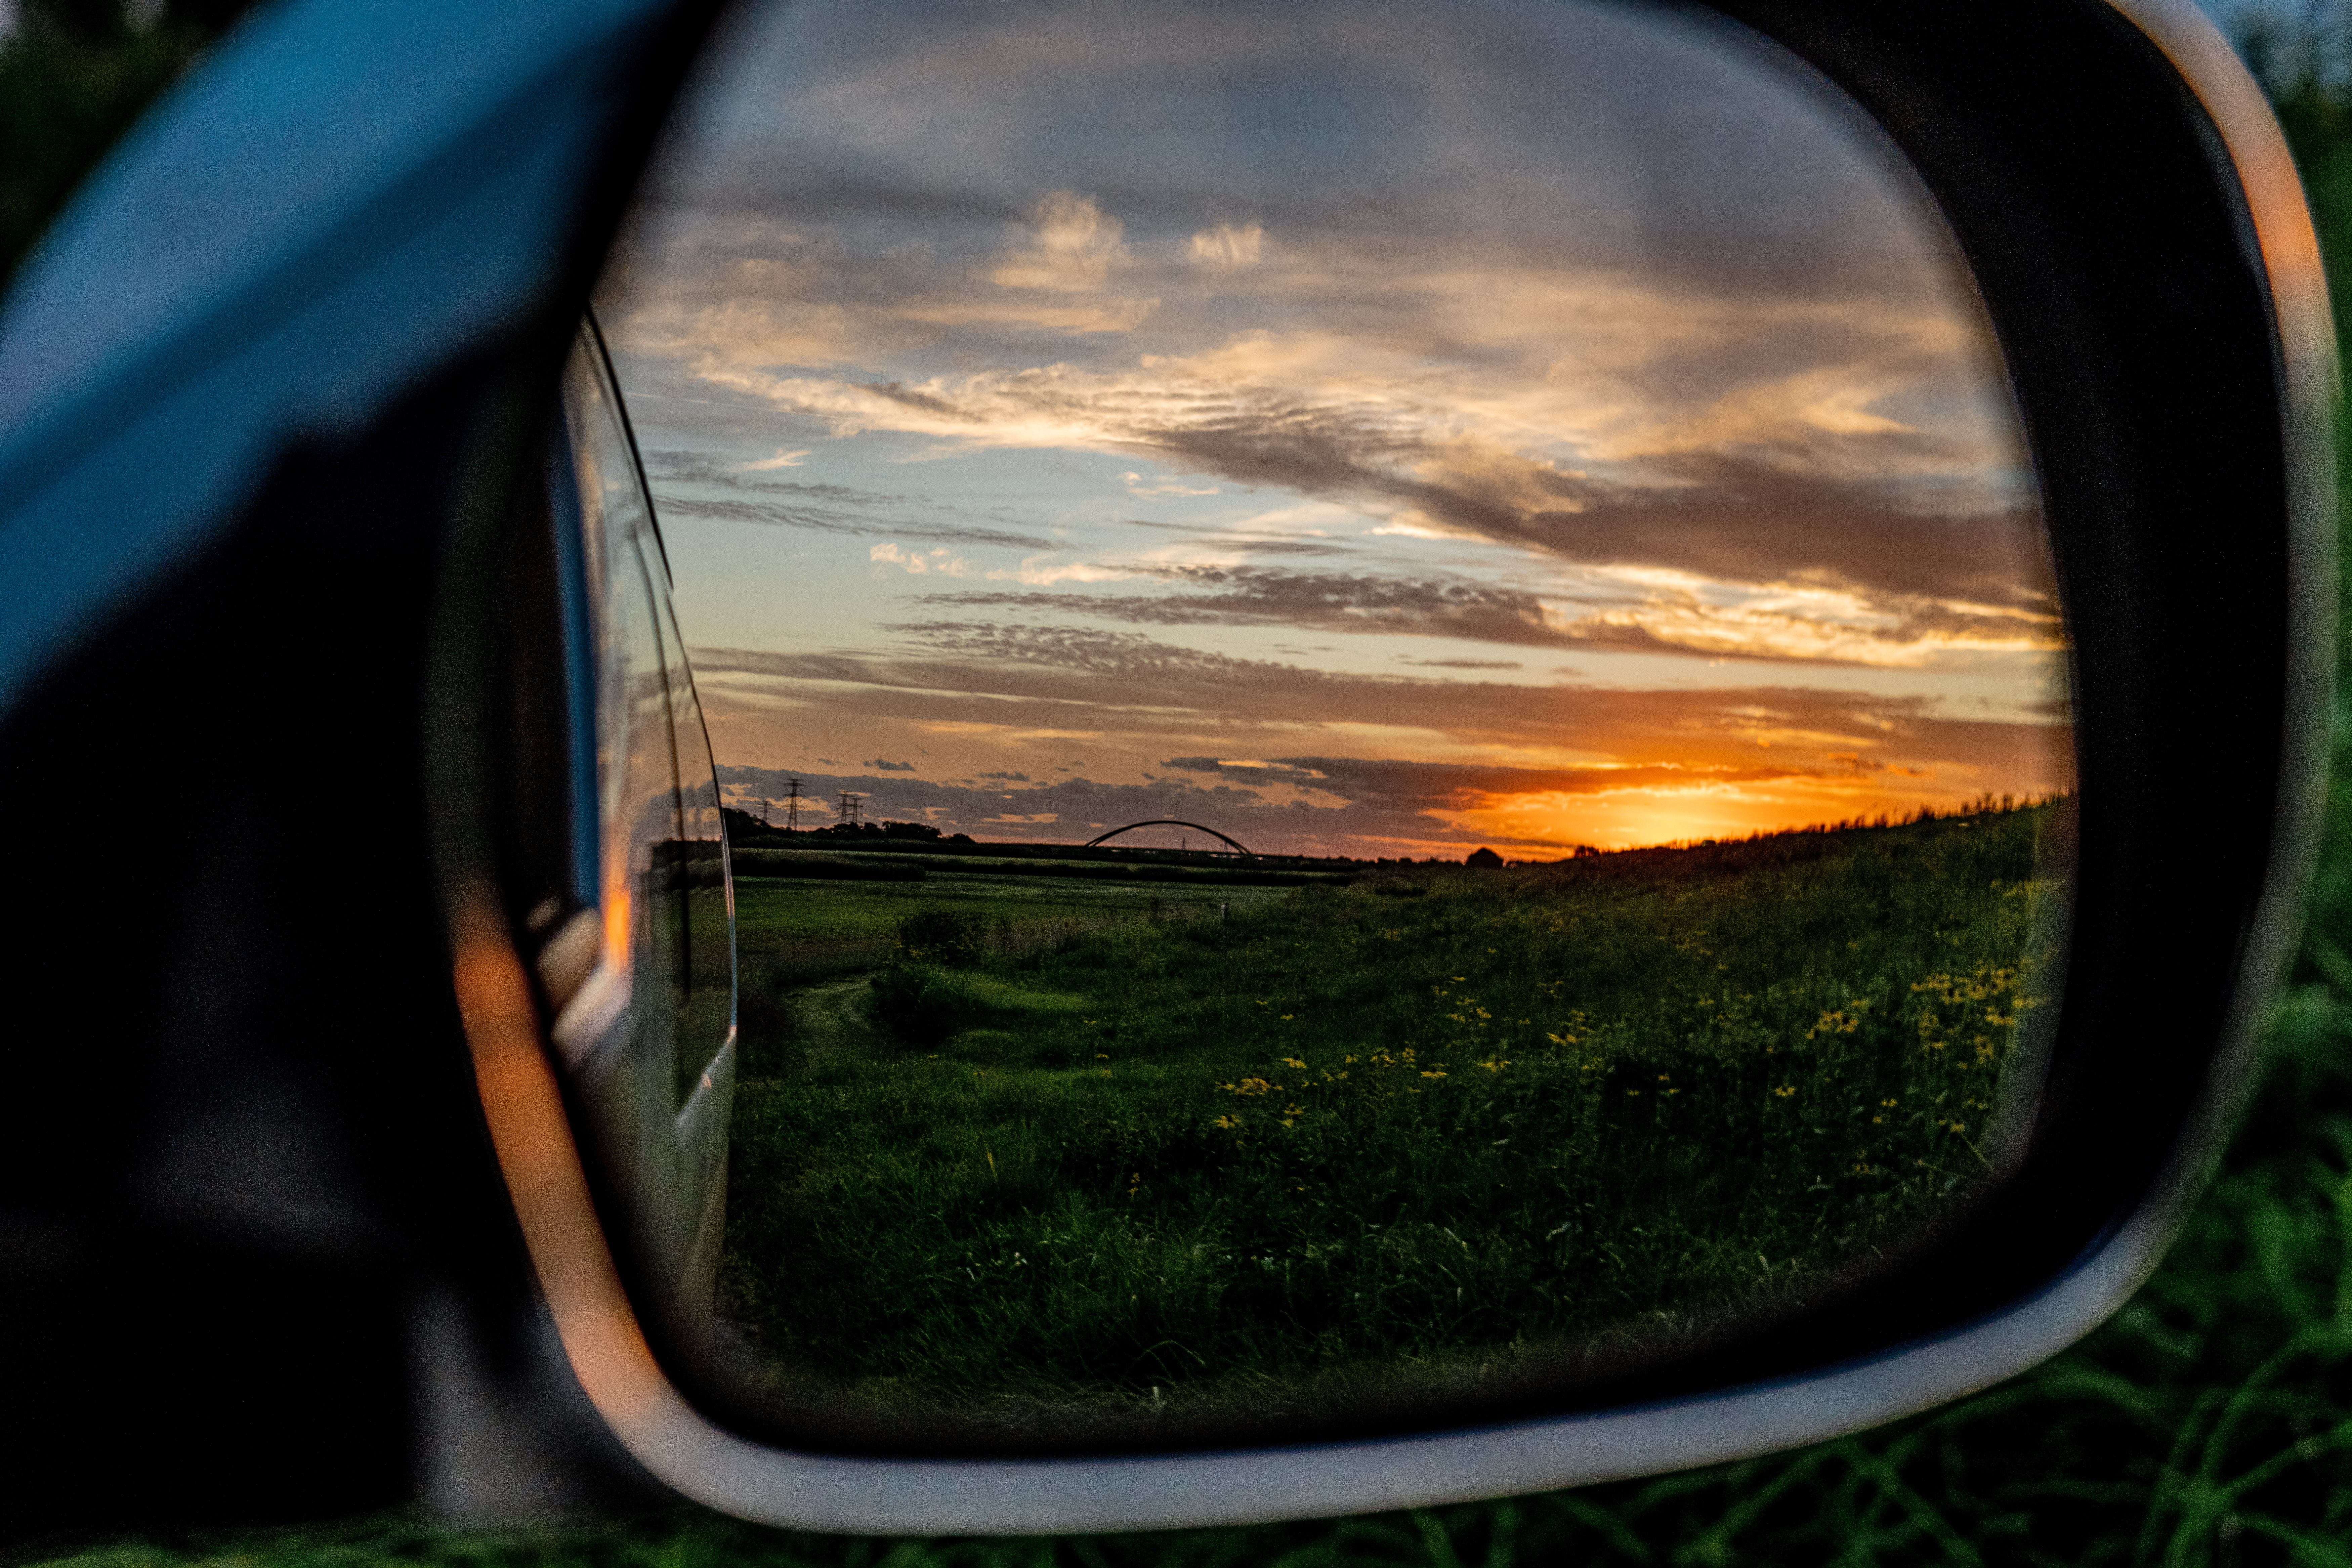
[(2141, 247), (2139, 239)]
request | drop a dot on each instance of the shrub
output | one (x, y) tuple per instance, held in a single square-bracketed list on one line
[(923, 1004), (949, 937), (914, 1001)]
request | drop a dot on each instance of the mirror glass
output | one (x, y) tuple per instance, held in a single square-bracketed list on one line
[(1388, 688)]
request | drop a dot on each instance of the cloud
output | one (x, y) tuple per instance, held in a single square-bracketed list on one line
[(1563, 327), (1241, 542), (1071, 244), (1041, 680), (1886, 513), (934, 562), (819, 508), (1253, 595), (891, 767), (783, 459), (1226, 247), (1691, 377), (668, 464), (821, 520), (1120, 655), (1827, 624), (1135, 485), (1739, 517), (1425, 786)]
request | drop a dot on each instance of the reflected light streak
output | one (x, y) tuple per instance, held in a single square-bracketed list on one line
[(618, 928)]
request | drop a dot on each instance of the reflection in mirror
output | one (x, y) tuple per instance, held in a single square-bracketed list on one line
[(648, 1035), (1389, 685)]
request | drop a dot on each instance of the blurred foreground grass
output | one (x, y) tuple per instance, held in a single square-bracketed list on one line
[(2209, 1423)]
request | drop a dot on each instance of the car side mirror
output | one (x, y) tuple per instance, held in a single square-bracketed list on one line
[(325, 429)]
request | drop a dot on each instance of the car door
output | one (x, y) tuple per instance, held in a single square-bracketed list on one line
[(651, 1032)]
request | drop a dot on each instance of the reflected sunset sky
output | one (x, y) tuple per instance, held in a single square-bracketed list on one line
[(1371, 429)]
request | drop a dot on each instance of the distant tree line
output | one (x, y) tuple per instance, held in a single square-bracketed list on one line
[(743, 828)]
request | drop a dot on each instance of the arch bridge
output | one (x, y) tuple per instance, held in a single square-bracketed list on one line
[(1237, 846)]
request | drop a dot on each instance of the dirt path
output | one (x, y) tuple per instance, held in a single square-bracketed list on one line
[(832, 1020)]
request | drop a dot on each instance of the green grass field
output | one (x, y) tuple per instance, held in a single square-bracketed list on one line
[(1428, 1116), (794, 926)]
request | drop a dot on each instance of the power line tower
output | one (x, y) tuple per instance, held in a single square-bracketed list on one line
[(793, 798), (850, 804)]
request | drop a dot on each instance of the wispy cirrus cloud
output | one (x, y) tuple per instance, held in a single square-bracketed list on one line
[(681, 477), (1316, 600), (1663, 619)]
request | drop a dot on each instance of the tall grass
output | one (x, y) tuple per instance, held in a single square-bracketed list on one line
[(1436, 1114)]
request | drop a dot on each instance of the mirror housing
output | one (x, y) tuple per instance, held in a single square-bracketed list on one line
[(343, 351)]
